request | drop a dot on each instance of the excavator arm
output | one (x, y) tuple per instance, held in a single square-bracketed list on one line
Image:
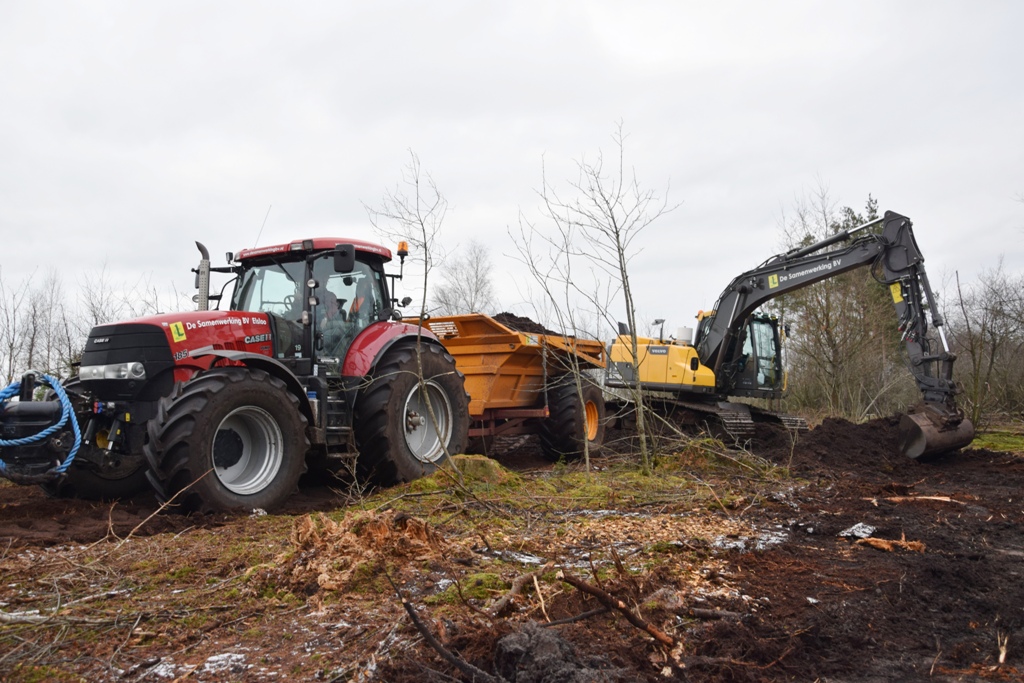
[(936, 424)]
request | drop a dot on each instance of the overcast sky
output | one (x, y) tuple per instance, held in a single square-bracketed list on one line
[(130, 129)]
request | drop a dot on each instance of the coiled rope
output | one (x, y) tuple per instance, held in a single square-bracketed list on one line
[(67, 412)]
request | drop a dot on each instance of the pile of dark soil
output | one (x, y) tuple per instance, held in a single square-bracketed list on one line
[(520, 324)]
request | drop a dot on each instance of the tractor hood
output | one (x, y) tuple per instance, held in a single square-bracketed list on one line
[(122, 360), (234, 330)]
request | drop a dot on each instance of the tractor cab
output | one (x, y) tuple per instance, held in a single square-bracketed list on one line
[(318, 295)]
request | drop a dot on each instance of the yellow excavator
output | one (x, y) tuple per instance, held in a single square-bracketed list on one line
[(735, 351)]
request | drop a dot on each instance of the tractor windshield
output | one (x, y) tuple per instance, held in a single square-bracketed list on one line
[(272, 288)]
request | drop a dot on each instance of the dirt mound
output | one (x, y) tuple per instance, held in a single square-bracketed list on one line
[(834, 443), (520, 324)]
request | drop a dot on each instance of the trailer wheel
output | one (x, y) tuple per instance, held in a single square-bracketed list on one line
[(230, 438), (93, 475), (572, 422), (394, 432)]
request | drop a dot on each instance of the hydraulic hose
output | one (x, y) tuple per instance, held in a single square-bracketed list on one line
[(67, 413)]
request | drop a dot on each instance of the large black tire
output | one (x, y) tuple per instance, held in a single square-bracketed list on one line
[(93, 475), (572, 423), (394, 432), (124, 478), (233, 437)]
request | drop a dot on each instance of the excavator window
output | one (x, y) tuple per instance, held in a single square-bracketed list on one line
[(764, 336)]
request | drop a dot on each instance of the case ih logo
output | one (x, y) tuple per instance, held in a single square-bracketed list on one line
[(257, 338)]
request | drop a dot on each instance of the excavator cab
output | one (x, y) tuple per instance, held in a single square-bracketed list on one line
[(754, 364)]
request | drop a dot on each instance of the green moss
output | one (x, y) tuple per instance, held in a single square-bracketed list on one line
[(27, 673), (474, 587), (181, 573), (481, 469), (1011, 442), (667, 547)]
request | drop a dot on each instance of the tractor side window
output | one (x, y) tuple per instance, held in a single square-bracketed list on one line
[(348, 303)]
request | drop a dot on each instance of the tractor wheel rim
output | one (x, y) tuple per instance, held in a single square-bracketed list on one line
[(248, 450), (426, 443), (590, 411)]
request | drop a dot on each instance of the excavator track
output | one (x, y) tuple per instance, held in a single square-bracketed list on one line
[(739, 420)]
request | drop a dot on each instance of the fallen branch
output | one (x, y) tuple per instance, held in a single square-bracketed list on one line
[(517, 586), (579, 617), (699, 613), (612, 602), (889, 546), (911, 499), (25, 618), (459, 663), (540, 596)]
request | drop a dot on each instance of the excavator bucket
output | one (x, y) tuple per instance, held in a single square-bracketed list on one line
[(928, 430)]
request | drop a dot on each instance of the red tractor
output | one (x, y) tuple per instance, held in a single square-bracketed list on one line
[(221, 409)]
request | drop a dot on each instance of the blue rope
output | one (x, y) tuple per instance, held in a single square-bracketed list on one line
[(67, 412)]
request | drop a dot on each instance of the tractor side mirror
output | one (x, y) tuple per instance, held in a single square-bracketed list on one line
[(344, 258), (406, 300)]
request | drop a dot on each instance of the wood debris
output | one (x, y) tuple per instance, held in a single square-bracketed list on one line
[(890, 546)]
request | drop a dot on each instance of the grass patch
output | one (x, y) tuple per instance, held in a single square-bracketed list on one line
[(41, 674), (1007, 441), (474, 587)]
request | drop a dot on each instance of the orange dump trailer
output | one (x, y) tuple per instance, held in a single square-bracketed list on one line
[(523, 382)]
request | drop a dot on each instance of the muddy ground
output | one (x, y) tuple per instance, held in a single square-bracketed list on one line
[(738, 560)]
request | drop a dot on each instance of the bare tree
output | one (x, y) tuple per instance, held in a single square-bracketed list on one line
[(414, 211), (548, 257), (466, 283), (13, 302), (988, 335), (843, 348), (597, 224)]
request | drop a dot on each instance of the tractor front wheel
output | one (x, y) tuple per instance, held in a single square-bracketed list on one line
[(404, 427), (230, 438)]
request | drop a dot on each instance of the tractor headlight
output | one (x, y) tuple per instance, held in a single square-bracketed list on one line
[(132, 370)]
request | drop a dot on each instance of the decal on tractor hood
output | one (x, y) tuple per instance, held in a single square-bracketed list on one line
[(190, 333)]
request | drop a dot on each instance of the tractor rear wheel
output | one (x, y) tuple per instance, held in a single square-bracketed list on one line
[(395, 432), (94, 474), (230, 438), (572, 423)]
